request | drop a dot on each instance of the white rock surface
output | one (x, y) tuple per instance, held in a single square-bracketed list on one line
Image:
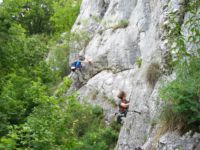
[(114, 53)]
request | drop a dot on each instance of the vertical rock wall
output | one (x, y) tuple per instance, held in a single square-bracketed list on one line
[(123, 34)]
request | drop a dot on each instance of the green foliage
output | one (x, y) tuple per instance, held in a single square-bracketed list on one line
[(58, 58), (22, 52), (176, 37), (33, 15), (96, 18), (18, 98), (24, 72), (15, 38), (52, 126), (120, 24), (139, 62), (22, 66), (30, 117), (44, 16), (109, 25), (63, 88), (65, 14), (7, 144), (171, 121), (183, 93)]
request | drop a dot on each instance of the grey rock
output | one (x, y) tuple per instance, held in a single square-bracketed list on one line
[(115, 50), (173, 141)]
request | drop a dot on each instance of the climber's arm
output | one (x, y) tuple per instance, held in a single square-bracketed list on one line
[(124, 105), (87, 60)]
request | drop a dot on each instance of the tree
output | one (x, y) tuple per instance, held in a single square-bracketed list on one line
[(66, 12), (33, 15)]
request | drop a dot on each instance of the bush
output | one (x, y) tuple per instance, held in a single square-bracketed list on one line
[(171, 121), (65, 14), (184, 92), (139, 62), (63, 87), (52, 126), (18, 98), (33, 15)]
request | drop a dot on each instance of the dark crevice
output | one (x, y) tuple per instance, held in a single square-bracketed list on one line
[(105, 7)]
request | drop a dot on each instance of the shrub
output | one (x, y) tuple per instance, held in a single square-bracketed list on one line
[(101, 139), (171, 121), (57, 124), (153, 73), (139, 62), (63, 87), (65, 14), (19, 97), (98, 111), (183, 93), (7, 144)]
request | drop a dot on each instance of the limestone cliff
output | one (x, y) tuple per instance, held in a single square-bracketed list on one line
[(126, 39)]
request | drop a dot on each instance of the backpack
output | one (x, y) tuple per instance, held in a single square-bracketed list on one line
[(76, 64)]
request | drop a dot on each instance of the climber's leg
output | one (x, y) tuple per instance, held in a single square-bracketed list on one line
[(80, 76), (120, 118)]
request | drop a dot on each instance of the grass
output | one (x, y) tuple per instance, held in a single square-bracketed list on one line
[(120, 24), (153, 123), (94, 94), (153, 73), (139, 62), (145, 138), (96, 18), (170, 121)]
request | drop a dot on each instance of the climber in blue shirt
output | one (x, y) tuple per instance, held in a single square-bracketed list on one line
[(76, 69), (78, 63)]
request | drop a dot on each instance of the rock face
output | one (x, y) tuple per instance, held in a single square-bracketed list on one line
[(126, 39)]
